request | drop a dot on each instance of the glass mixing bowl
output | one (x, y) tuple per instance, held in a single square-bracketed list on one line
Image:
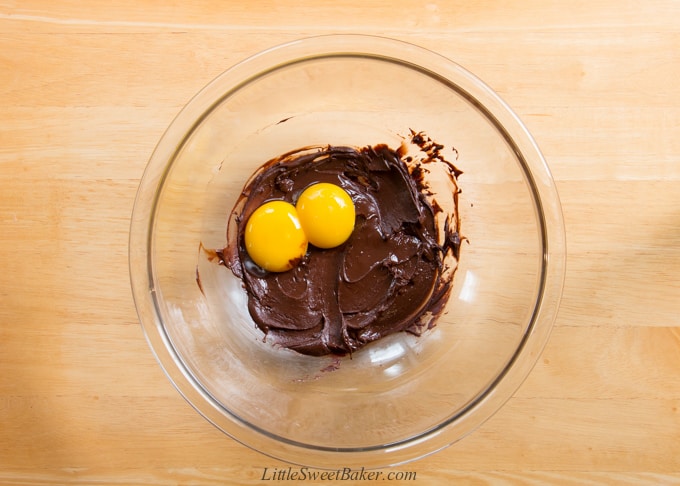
[(401, 397)]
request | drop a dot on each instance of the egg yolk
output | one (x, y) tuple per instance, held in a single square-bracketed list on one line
[(327, 214), (274, 237)]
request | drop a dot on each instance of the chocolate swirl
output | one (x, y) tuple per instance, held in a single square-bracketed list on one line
[(393, 274)]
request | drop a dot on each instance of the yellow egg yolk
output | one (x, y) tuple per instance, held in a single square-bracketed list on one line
[(274, 237), (327, 214)]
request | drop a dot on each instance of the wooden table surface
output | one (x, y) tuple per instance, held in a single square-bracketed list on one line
[(86, 92)]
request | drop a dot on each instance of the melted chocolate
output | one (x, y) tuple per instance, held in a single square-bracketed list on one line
[(390, 276)]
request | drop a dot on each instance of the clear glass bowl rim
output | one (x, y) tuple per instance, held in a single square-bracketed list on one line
[(538, 177)]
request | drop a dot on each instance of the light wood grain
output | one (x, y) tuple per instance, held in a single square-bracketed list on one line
[(86, 92)]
